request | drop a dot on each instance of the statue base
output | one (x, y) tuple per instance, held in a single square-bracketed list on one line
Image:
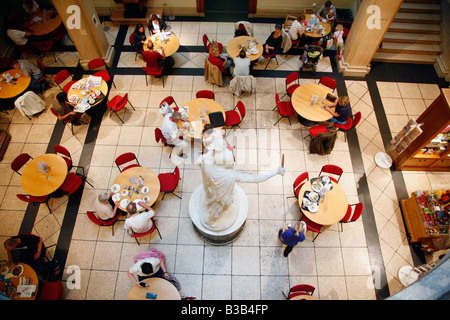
[(228, 226)]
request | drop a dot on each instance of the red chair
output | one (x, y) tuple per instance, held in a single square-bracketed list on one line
[(153, 71), (332, 169), (169, 182), (72, 183), (208, 43), (62, 76), (78, 116), (41, 48), (20, 161), (291, 84), (169, 100), (104, 74), (270, 57), (34, 200), (51, 290), (103, 223), (65, 154), (299, 182), (234, 118), (356, 119), (285, 109), (42, 68), (328, 82), (344, 127), (354, 211), (127, 160), (208, 94), (300, 289), (118, 103), (316, 130), (139, 235), (160, 138), (131, 39), (312, 226)]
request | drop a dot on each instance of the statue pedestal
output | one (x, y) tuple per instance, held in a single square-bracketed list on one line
[(228, 226)]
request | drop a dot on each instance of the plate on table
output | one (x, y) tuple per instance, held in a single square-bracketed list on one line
[(306, 202), (313, 207), (75, 86), (316, 186), (138, 206), (146, 199), (193, 130), (17, 271), (124, 203), (308, 29), (73, 98), (186, 125), (116, 197), (145, 190), (4, 270), (124, 192), (324, 20), (115, 188), (313, 196)]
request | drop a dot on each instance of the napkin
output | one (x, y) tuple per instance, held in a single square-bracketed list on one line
[(43, 167), (96, 81)]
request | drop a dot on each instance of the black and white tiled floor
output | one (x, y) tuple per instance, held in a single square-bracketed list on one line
[(338, 264)]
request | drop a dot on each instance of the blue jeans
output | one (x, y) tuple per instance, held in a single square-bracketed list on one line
[(34, 79), (338, 122)]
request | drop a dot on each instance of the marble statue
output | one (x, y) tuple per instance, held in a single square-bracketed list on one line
[(219, 178)]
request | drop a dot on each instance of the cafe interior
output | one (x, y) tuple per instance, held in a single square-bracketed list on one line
[(372, 243)]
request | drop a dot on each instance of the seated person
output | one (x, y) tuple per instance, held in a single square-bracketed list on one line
[(156, 57), (221, 61), (241, 31), (139, 222), (297, 29), (274, 41), (241, 65), (325, 9), (64, 109), (153, 266), (29, 69), (16, 34), (31, 7), (342, 111), (171, 132), (102, 207), (29, 249), (156, 25), (139, 37)]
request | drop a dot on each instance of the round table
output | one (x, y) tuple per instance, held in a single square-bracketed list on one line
[(301, 101), (233, 47), (28, 272), (103, 88), (163, 289), (170, 47), (38, 184), (331, 210), (326, 27), (304, 297), (15, 88), (47, 25), (194, 115), (150, 180)]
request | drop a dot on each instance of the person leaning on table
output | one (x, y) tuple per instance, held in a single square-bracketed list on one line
[(171, 132), (104, 210), (65, 109), (342, 111), (147, 268), (139, 222)]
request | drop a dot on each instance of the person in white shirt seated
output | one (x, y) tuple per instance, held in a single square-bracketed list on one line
[(102, 207), (171, 132), (241, 65), (297, 30), (156, 25), (147, 268), (139, 222), (29, 69)]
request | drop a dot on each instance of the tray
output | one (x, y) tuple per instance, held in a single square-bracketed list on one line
[(305, 195)]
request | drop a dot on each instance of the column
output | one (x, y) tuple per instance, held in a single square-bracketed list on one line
[(85, 29), (369, 27)]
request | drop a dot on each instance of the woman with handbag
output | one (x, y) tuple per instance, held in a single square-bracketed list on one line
[(339, 40)]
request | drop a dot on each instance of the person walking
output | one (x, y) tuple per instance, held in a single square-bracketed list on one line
[(292, 236)]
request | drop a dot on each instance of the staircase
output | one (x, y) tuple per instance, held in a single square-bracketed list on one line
[(414, 34)]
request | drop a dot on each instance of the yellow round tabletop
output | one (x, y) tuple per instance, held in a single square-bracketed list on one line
[(170, 45), (28, 272), (79, 92), (151, 181), (46, 25), (331, 210), (301, 101), (304, 297), (194, 115), (39, 184), (233, 47), (14, 88), (316, 33), (163, 289)]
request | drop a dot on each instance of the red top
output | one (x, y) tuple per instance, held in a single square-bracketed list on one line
[(217, 62), (151, 58)]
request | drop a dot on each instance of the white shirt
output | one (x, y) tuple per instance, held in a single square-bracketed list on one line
[(18, 36), (293, 31), (136, 269), (103, 211), (169, 128), (156, 27), (140, 222), (338, 35), (241, 66)]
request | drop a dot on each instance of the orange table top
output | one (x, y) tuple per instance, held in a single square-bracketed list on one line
[(46, 25), (38, 184), (326, 28), (15, 88), (301, 101), (79, 92), (28, 273), (170, 45), (163, 289), (233, 47)]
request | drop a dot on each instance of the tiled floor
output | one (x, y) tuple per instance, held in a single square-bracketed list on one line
[(252, 267)]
